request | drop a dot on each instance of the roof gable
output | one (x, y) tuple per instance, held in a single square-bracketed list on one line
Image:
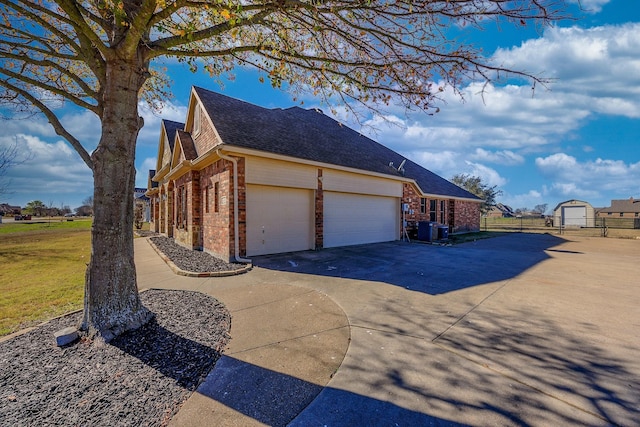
[(168, 130), (311, 135), (184, 148)]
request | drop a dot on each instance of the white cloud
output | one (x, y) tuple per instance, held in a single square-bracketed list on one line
[(599, 67), (54, 173), (84, 126), (504, 157), (591, 6), (142, 172), (150, 132), (595, 179), (596, 74), (489, 176)]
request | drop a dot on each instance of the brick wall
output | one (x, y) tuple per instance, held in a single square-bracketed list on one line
[(154, 223), (459, 215), (412, 197), (217, 226), (169, 219), (206, 139), (467, 216), (187, 232)]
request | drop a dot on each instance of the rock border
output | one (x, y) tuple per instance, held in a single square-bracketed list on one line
[(180, 272)]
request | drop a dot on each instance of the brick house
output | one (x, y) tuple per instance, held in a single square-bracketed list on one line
[(240, 180), (625, 208)]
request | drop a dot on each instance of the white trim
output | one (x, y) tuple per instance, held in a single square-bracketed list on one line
[(265, 154)]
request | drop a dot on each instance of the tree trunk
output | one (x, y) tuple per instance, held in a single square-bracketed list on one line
[(111, 302)]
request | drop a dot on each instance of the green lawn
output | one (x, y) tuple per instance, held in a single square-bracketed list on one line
[(42, 268)]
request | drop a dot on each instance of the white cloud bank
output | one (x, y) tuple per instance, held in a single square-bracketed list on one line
[(495, 131), (54, 172)]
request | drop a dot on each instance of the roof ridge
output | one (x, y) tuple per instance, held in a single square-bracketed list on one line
[(298, 133)]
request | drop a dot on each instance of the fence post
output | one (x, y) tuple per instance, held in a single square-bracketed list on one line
[(560, 223)]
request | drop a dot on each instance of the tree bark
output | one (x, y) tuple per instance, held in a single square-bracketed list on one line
[(111, 303)]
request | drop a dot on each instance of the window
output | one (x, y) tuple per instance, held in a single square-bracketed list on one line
[(442, 211), (609, 213), (196, 119), (216, 197), (423, 205), (621, 214), (206, 199), (432, 210), (636, 215)]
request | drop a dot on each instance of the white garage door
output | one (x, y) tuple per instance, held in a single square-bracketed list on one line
[(574, 216), (279, 219), (352, 219)]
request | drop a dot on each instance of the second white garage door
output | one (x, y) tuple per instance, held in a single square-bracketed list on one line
[(353, 219), (278, 219)]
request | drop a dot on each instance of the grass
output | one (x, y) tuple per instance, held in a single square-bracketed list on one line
[(42, 270)]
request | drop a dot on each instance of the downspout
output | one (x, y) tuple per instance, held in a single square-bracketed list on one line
[(236, 221)]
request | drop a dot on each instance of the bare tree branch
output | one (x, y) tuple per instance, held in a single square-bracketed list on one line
[(53, 120)]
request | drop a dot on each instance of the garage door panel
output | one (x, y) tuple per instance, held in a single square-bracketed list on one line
[(351, 219), (575, 215), (278, 220)]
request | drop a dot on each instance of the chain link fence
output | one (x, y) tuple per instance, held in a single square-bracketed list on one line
[(604, 227)]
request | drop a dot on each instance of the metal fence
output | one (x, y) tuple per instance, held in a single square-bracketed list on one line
[(549, 224), (514, 224), (620, 223)]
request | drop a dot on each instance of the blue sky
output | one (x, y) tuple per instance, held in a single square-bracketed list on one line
[(577, 139)]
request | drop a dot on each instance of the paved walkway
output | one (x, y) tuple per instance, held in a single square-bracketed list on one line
[(286, 343), (518, 330)]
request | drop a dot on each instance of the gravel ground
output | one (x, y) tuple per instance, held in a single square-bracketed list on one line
[(190, 260), (140, 378)]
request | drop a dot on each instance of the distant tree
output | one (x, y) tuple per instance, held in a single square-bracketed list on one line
[(541, 209), (88, 201), (98, 56), (474, 185), (84, 210), (9, 156), (87, 206), (36, 208)]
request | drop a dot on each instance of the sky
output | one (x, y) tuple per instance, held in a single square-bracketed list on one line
[(578, 138)]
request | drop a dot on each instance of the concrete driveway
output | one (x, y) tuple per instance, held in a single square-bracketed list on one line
[(525, 329), (519, 330)]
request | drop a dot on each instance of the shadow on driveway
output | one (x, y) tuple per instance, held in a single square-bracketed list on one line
[(551, 378), (422, 267)]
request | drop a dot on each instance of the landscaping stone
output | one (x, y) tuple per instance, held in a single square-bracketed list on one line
[(66, 336)]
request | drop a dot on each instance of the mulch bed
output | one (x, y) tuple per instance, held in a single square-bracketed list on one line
[(140, 378), (192, 260)]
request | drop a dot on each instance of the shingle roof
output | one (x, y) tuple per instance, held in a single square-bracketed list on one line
[(573, 202), (310, 135), (152, 173), (624, 205), (188, 147), (171, 127)]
